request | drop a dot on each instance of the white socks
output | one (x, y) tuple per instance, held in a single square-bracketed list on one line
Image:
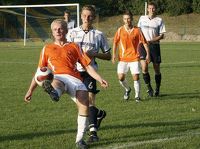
[(137, 88), (124, 84), (82, 124)]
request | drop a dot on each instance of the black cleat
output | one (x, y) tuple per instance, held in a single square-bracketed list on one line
[(81, 145), (138, 99), (50, 90), (99, 119), (93, 137), (127, 94)]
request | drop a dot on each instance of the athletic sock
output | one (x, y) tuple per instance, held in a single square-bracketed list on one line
[(124, 84), (82, 124), (158, 80), (137, 88), (93, 118), (147, 80)]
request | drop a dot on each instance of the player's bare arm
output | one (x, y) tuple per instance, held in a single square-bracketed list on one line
[(96, 76), (157, 38), (29, 93), (103, 56), (148, 53), (114, 53)]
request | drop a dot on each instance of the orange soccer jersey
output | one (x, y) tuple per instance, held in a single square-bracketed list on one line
[(62, 59), (128, 42)]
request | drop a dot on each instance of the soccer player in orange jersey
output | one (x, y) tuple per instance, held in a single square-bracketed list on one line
[(126, 39), (61, 57)]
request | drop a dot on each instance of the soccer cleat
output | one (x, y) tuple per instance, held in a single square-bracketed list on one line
[(93, 137), (127, 94), (99, 119), (137, 99), (157, 92), (81, 145), (50, 90)]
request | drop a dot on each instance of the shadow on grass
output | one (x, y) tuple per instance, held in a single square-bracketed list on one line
[(29, 136), (179, 96), (162, 130)]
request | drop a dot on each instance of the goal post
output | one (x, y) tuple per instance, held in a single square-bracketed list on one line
[(33, 19)]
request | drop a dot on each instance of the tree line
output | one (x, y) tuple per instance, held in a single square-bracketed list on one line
[(115, 7)]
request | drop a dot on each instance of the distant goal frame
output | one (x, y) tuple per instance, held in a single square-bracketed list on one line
[(46, 5)]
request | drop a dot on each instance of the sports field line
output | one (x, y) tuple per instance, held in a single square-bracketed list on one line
[(32, 63), (134, 144)]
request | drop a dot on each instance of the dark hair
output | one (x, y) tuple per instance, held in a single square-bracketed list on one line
[(127, 12), (67, 11), (152, 4)]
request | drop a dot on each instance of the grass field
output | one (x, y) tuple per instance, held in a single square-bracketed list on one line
[(171, 121)]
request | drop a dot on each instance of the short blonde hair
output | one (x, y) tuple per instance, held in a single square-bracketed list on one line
[(59, 21), (90, 8)]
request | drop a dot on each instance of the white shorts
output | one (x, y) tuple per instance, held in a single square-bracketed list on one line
[(72, 84), (123, 67)]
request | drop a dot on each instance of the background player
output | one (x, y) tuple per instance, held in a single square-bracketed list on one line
[(61, 58), (91, 41), (70, 22), (153, 29), (127, 38)]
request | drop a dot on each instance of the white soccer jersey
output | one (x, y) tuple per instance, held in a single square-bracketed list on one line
[(151, 27), (71, 24), (91, 40)]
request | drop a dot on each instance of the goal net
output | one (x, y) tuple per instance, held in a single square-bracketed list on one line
[(32, 22)]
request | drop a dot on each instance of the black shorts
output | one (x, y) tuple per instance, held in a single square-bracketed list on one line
[(90, 82), (155, 54)]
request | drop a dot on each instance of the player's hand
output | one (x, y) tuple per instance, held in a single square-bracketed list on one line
[(27, 97), (113, 59), (148, 60), (104, 83)]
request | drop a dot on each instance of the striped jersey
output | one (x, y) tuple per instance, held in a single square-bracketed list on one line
[(90, 40), (151, 27), (63, 59), (128, 43)]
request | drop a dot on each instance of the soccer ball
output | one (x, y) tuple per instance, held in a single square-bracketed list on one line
[(42, 74)]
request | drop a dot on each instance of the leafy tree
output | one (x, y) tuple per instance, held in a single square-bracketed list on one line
[(196, 6)]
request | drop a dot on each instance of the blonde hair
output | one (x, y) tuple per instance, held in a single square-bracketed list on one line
[(59, 21), (90, 8)]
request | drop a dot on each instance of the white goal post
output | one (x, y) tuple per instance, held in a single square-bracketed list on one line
[(31, 6)]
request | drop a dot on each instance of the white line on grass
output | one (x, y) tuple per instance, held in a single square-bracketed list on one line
[(134, 144)]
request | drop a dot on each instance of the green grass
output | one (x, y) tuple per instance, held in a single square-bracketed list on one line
[(170, 121)]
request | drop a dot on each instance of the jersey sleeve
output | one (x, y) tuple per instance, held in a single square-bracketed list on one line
[(162, 28), (117, 36), (104, 44), (43, 60)]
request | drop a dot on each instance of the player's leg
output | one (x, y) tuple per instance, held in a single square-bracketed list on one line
[(156, 56), (122, 69), (145, 72), (135, 71), (146, 77), (78, 92), (54, 89), (157, 78), (95, 115), (82, 102)]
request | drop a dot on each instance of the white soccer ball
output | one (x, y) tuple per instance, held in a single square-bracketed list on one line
[(42, 74)]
